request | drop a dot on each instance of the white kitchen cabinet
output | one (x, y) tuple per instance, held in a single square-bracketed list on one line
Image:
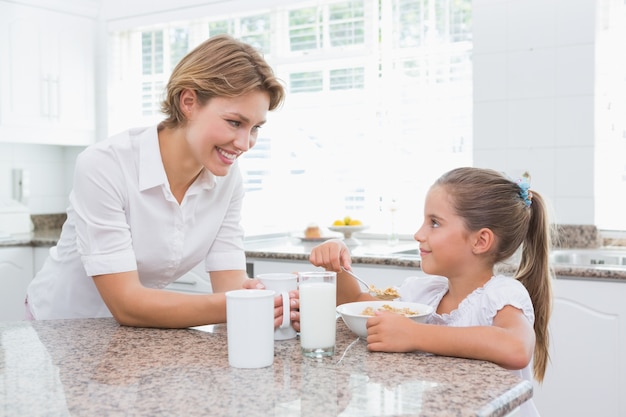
[(196, 281), (379, 275), (40, 254), (264, 266), (587, 372), (16, 272), (47, 76)]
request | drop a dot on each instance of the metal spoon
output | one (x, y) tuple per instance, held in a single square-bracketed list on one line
[(355, 277), (370, 288)]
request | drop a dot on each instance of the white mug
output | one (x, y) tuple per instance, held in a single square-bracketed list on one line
[(282, 283), (250, 328)]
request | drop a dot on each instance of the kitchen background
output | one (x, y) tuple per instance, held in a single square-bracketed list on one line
[(384, 96)]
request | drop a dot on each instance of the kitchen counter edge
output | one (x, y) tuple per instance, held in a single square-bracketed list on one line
[(50, 238)]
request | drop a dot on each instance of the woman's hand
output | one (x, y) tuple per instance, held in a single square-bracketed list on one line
[(331, 255), (294, 302)]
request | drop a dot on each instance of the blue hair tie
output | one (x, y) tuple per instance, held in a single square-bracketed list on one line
[(524, 192)]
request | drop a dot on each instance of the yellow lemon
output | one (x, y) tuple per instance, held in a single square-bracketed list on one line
[(346, 220), (338, 223), (355, 222)]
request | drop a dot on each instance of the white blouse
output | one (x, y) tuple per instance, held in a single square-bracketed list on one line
[(123, 217), (477, 309)]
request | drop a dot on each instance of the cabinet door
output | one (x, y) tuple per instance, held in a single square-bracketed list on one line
[(268, 267), (47, 62), (380, 276), (587, 372), (16, 272), (23, 70), (196, 281), (385, 276), (40, 254), (76, 76)]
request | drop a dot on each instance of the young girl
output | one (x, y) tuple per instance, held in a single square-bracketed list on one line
[(473, 219)]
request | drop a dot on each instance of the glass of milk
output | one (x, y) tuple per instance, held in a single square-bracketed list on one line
[(318, 317)]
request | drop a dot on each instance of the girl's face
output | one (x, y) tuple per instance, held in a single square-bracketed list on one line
[(444, 240), (224, 128)]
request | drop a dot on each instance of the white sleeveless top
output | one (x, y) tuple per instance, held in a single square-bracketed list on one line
[(477, 309)]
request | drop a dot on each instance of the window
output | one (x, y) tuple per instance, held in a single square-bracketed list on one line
[(302, 82), (305, 29), (347, 79), (379, 98), (161, 51), (254, 30), (345, 23)]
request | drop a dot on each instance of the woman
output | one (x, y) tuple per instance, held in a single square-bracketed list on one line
[(151, 203)]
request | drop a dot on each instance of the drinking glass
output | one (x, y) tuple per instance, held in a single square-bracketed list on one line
[(318, 317)]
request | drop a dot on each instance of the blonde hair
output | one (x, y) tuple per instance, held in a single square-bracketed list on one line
[(487, 199), (221, 66)]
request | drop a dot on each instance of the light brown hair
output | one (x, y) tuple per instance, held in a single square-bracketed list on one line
[(221, 66), (488, 199)]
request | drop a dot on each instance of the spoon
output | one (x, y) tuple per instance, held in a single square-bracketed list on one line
[(371, 289), (357, 278)]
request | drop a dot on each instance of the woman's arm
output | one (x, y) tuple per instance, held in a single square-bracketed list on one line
[(222, 281), (509, 342), (132, 304)]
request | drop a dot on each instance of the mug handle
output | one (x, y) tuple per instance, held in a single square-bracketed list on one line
[(286, 310)]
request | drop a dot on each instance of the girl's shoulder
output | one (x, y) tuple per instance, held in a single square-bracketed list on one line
[(504, 283), (424, 289), (501, 291)]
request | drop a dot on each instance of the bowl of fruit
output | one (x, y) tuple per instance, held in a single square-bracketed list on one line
[(347, 226)]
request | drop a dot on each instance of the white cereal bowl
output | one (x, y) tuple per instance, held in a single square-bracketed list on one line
[(352, 313)]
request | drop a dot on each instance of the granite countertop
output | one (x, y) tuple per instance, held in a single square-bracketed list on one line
[(284, 246), (95, 367)]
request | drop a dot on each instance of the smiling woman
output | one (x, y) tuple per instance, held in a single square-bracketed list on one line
[(168, 198)]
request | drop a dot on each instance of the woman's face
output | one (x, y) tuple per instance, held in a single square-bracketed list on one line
[(219, 131)]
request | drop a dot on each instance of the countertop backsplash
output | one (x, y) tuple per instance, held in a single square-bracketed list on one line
[(42, 222), (569, 235), (574, 236)]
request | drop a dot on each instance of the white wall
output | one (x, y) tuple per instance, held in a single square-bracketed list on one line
[(534, 97), (545, 100), (123, 14), (50, 169)]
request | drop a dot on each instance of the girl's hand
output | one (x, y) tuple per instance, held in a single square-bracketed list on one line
[(331, 255), (390, 332)]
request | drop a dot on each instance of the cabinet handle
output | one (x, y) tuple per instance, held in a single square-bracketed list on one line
[(45, 96), (54, 98), (185, 282)]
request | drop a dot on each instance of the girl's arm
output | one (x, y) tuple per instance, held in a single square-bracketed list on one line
[(509, 342), (332, 255)]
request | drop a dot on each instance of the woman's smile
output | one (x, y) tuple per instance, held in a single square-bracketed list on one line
[(226, 156)]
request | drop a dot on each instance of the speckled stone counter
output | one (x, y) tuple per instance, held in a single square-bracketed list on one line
[(372, 252), (95, 367)]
